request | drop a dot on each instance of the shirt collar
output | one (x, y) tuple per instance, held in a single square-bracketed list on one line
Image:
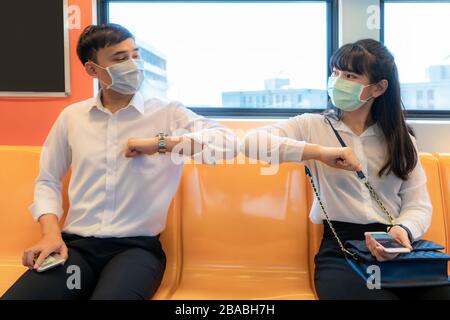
[(373, 130), (136, 102)]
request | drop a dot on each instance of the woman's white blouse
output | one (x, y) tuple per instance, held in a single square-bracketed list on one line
[(345, 197)]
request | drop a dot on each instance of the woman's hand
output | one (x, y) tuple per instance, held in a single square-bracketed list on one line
[(340, 158), (396, 232)]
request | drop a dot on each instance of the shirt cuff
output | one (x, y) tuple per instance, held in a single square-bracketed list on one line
[(38, 210), (291, 150), (414, 233)]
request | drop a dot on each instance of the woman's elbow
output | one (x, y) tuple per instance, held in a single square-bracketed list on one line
[(249, 145)]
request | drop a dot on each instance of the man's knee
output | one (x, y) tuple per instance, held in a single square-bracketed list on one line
[(73, 280)]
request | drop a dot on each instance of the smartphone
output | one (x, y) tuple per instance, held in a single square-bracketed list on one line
[(389, 244), (50, 262)]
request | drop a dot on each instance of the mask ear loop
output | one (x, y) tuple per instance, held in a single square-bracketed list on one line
[(360, 93), (110, 75), (112, 79)]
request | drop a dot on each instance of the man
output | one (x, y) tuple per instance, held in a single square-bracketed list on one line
[(120, 187)]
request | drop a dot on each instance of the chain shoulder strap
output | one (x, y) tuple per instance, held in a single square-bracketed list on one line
[(319, 200), (375, 196)]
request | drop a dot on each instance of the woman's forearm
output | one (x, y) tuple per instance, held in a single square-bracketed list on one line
[(312, 152)]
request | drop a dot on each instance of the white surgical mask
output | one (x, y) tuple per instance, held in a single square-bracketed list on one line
[(126, 76)]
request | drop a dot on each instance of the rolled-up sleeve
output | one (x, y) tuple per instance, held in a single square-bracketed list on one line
[(283, 141), (218, 142), (54, 162), (416, 208)]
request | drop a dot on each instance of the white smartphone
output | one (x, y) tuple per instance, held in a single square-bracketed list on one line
[(389, 244), (50, 262)]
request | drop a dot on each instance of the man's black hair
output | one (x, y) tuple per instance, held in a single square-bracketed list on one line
[(95, 37)]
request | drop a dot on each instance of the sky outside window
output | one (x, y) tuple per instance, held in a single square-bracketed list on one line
[(212, 48), (417, 35)]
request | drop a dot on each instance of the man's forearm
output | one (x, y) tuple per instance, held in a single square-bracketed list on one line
[(149, 146), (49, 225)]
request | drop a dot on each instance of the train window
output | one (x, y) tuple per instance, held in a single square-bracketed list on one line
[(223, 58), (422, 52)]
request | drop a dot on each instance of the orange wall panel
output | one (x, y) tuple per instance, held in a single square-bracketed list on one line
[(27, 121)]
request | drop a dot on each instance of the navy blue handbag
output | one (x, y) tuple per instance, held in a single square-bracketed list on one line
[(424, 266)]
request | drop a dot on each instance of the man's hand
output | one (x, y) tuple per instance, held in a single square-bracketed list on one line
[(136, 147), (47, 245), (396, 232), (50, 242)]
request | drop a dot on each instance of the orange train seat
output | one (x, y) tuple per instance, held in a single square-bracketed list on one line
[(231, 232), (444, 168), (18, 170), (244, 235), (19, 167)]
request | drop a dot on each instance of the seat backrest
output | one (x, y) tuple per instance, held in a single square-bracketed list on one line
[(235, 217), (171, 242), (444, 168), (18, 171), (437, 231), (315, 234)]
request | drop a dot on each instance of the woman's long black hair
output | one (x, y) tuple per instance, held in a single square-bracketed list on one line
[(370, 57)]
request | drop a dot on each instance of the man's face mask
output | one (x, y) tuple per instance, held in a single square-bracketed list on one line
[(345, 94), (126, 76)]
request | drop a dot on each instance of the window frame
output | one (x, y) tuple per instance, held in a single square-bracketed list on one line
[(411, 113), (228, 112), (332, 45)]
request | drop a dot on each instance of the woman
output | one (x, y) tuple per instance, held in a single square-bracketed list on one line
[(367, 113)]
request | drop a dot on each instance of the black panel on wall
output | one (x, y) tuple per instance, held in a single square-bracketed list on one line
[(32, 55)]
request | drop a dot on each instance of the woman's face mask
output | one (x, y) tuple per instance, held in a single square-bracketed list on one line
[(345, 94), (126, 76)]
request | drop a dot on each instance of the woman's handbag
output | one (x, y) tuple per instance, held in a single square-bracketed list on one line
[(424, 266)]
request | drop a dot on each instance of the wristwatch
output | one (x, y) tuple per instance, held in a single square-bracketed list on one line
[(162, 148)]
